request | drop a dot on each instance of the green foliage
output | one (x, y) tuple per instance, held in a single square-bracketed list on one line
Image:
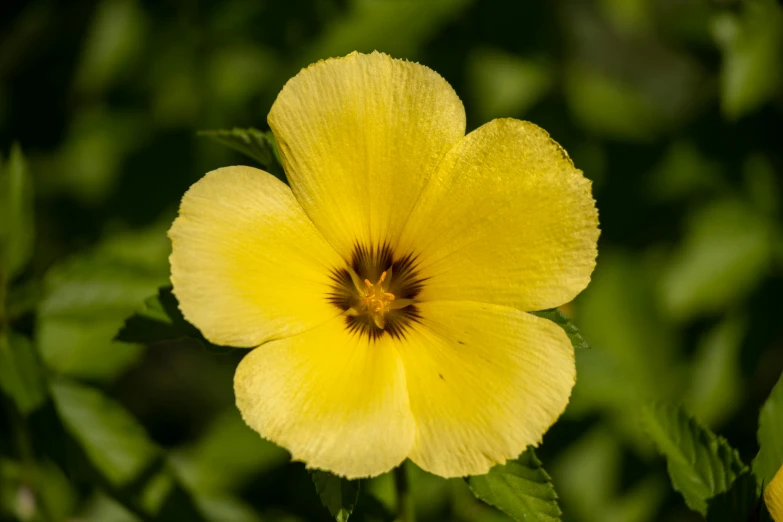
[(338, 495), (739, 502), (726, 252), (87, 298), (770, 436), (39, 488), (115, 38), (21, 375), (562, 320), (260, 146), (634, 348), (588, 474), (122, 453), (752, 46), (226, 456), (716, 388), (370, 25), (505, 85), (701, 465), (158, 321), (609, 106), (668, 107), (99, 423), (520, 488), (17, 226)]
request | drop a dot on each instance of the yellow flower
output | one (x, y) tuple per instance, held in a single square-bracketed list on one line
[(773, 496), (386, 290)]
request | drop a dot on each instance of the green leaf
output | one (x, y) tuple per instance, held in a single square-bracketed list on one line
[(367, 25), (159, 320), (608, 105), (226, 456), (770, 436), (715, 386), (726, 251), (221, 508), (41, 488), (111, 438), (21, 375), (338, 495), (503, 84), (179, 505), (562, 320), (521, 488), (700, 463), (87, 298), (739, 503), (371, 508), (112, 43), (634, 349), (17, 226), (260, 146), (752, 46)]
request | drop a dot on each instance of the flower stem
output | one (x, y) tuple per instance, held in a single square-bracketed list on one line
[(405, 511)]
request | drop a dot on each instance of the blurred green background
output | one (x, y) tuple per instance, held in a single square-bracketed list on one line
[(674, 108)]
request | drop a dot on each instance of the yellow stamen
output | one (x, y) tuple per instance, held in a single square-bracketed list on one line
[(377, 300)]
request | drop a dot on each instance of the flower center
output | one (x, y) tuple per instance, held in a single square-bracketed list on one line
[(377, 292), (376, 300)]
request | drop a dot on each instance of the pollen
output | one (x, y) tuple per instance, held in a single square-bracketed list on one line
[(377, 301)]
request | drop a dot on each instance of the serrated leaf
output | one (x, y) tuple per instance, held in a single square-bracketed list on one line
[(111, 438), (739, 503), (21, 375), (260, 146), (338, 495), (562, 320), (521, 488), (700, 463), (17, 226), (770, 436)]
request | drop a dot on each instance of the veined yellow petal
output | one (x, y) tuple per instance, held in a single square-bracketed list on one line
[(247, 264), (485, 381), (773, 496), (507, 219), (337, 401), (359, 136)]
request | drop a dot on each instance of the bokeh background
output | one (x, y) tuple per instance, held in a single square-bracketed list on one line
[(674, 108)]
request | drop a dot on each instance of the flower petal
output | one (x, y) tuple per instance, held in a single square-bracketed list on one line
[(485, 381), (773, 496), (507, 219), (337, 401), (247, 264), (359, 136)]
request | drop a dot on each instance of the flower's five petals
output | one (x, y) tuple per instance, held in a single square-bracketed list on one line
[(506, 219), (773, 496), (485, 381), (247, 265), (359, 136), (336, 400), (388, 288)]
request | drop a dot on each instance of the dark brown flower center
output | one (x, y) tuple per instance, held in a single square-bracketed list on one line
[(377, 292)]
